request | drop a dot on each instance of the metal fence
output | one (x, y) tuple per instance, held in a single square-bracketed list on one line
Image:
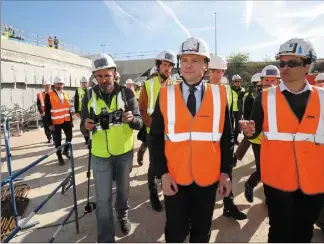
[(135, 55)]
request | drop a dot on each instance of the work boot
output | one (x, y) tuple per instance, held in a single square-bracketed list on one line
[(155, 202), (67, 153), (232, 211), (125, 226), (60, 160), (248, 193), (140, 155)]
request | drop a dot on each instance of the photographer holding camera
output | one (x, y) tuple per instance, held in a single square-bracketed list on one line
[(111, 113)]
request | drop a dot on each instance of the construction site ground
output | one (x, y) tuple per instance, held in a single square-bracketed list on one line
[(147, 225)]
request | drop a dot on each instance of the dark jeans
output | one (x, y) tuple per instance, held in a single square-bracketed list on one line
[(255, 177), (292, 215), (67, 128), (237, 129), (190, 211), (151, 174), (104, 171)]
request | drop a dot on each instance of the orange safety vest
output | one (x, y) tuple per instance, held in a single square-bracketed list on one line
[(192, 144), (292, 153), (60, 112), (41, 97)]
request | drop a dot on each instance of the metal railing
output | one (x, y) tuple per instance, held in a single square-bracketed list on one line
[(135, 55), (38, 40), (65, 184)]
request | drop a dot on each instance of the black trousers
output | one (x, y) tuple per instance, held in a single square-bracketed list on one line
[(190, 211), (67, 128), (255, 177), (84, 131), (292, 215), (237, 129), (152, 185), (228, 201), (46, 126)]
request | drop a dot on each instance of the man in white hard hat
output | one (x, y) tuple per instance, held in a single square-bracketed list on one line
[(79, 94), (319, 79), (41, 109), (130, 84), (292, 153), (111, 114), (58, 112), (193, 146), (137, 89), (216, 68), (164, 63)]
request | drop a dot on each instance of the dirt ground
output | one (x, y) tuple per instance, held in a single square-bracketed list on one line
[(147, 225)]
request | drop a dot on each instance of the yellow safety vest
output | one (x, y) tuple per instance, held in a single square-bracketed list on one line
[(229, 95), (118, 139), (235, 100), (152, 88), (137, 94), (257, 140), (81, 93)]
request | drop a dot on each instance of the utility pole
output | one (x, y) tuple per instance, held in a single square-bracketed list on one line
[(103, 47), (215, 37)]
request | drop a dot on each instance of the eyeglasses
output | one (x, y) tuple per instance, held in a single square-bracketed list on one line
[(291, 63)]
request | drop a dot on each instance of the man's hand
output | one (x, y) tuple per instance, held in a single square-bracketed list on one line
[(52, 127), (128, 117), (248, 127), (169, 186), (89, 124), (225, 185)]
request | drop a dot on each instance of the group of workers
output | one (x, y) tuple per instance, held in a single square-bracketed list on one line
[(190, 128)]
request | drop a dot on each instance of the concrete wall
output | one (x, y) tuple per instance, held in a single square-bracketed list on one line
[(24, 67)]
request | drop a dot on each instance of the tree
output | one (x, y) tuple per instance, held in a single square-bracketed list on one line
[(237, 64)]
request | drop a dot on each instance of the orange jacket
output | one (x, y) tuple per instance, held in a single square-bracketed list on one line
[(192, 144), (60, 112), (292, 153), (41, 97)]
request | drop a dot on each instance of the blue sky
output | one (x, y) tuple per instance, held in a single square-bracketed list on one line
[(257, 27)]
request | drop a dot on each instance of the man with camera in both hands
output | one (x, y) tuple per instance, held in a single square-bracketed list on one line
[(111, 113)]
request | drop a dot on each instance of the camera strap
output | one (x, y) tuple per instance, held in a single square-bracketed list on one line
[(123, 93)]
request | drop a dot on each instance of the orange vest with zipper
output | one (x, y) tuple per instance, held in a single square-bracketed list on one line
[(41, 97), (192, 144), (60, 112), (292, 153)]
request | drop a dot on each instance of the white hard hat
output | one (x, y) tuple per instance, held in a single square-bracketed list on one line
[(256, 78), (270, 71), (217, 62), (236, 77), (194, 45), (224, 80), (84, 80), (47, 82), (153, 70), (59, 79), (129, 81), (138, 83), (319, 77), (166, 56), (102, 61), (298, 47)]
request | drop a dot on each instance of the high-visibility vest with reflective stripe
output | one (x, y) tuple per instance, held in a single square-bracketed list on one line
[(292, 153), (81, 93), (192, 144), (119, 138), (152, 88), (229, 95), (257, 140), (60, 112), (41, 97), (235, 99)]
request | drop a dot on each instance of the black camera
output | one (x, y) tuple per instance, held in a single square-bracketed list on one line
[(107, 119)]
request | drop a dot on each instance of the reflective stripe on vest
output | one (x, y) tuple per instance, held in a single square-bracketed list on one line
[(192, 144), (81, 93), (229, 95), (60, 112), (152, 87), (193, 136), (119, 138), (292, 152)]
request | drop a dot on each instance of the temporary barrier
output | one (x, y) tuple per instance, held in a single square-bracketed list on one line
[(65, 184)]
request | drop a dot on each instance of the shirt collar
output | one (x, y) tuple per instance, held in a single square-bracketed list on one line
[(283, 87), (199, 87)]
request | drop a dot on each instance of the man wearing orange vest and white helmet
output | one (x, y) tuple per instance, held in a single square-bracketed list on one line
[(217, 67), (164, 63), (319, 79), (41, 109), (57, 110), (193, 146), (290, 116)]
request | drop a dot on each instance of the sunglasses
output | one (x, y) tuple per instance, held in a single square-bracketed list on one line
[(291, 63)]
